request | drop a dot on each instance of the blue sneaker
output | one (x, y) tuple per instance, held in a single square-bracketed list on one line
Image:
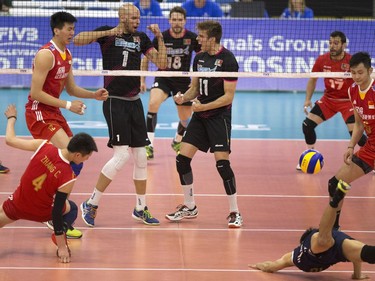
[(3, 169), (88, 213), (145, 216)]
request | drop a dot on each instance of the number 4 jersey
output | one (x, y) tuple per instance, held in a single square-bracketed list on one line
[(46, 173)]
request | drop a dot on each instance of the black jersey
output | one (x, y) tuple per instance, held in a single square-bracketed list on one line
[(212, 88), (307, 261), (123, 53), (179, 50)]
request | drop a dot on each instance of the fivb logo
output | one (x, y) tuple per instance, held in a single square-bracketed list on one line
[(18, 35)]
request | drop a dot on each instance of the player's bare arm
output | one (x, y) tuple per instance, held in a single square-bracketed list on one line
[(310, 88), (10, 136), (74, 90), (42, 65), (144, 67), (226, 99), (190, 94), (88, 37), (273, 266), (358, 130), (158, 57)]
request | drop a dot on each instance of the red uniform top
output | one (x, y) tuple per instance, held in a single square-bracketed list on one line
[(364, 104), (56, 77), (46, 173), (335, 88)]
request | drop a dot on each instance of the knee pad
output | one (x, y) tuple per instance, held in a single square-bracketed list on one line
[(118, 160), (368, 254), (308, 129), (182, 126), (226, 173), (151, 121), (140, 163), (332, 185), (184, 169), (70, 217), (362, 140)]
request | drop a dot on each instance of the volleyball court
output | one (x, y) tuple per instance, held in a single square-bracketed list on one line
[(277, 202)]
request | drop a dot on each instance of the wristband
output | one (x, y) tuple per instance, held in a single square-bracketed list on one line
[(352, 147), (13, 116), (68, 105)]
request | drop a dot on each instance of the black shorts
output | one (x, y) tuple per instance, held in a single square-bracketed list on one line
[(171, 86), (126, 122), (212, 133)]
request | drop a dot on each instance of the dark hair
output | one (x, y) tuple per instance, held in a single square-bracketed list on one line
[(307, 233), (59, 19), (178, 9), (360, 57), (213, 29), (82, 143), (339, 34)]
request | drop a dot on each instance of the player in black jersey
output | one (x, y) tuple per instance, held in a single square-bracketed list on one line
[(321, 248), (210, 125), (122, 47), (180, 44)]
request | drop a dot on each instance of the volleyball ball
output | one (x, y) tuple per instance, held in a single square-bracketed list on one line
[(311, 161)]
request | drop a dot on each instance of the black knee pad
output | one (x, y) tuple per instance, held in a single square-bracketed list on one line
[(71, 217), (151, 121), (226, 173), (308, 129), (184, 169), (368, 254), (332, 185)]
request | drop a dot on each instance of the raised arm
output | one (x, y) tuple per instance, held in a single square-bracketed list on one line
[(88, 37), (158, 57), (10, 136)]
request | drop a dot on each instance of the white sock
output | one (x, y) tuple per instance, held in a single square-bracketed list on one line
[(233, 207), (95, 197), (141, 202), (151, 137), (188, 196)]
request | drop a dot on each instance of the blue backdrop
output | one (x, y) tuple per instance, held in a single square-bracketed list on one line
[(260, 45)]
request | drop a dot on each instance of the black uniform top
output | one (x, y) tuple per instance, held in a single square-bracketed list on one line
[(179, 50), (123, 53), (307, 261), (212, 88)]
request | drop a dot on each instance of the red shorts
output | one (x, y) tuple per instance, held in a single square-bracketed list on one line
[(330, 107), (15, 212), (43, 125), (367, 154)]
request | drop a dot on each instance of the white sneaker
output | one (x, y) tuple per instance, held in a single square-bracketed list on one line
[(298, 168), (235, 220)]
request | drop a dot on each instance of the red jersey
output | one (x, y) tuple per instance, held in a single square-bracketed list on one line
[(335, 88), (46, 173), (56, 77), (364, 103)]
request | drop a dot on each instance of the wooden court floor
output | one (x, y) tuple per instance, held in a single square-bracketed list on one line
[(277, 204)]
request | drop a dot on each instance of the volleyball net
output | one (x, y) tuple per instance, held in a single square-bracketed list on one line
[(267, 49)]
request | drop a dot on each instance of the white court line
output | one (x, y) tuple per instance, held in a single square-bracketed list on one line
[(163, 269), (159, 228), (214, 195)]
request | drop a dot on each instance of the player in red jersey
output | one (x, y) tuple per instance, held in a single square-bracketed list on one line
[(335, 98), (362, 97), (52, 72), (44, 187)]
